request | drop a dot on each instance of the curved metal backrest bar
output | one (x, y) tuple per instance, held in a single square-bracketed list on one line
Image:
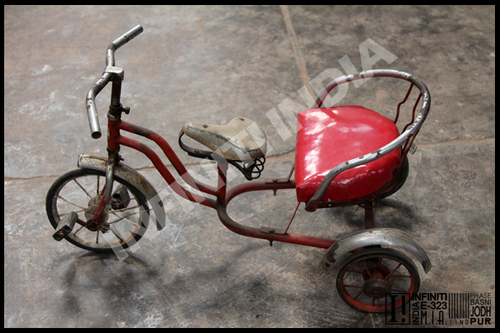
[(398, 142)]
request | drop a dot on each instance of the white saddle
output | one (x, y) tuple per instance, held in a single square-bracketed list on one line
[(241, 139)]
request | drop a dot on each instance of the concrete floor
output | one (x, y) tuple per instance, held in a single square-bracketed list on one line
[(213, 64)]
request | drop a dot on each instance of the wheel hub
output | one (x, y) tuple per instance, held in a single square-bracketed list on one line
[(100, 225), (377, 287)]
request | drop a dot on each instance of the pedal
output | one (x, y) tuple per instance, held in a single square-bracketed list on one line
[(120, 199), (65, 226)]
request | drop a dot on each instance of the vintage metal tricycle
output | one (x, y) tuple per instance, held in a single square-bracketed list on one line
[(345, 155)]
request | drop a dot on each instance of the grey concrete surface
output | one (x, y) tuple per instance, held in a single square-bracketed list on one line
[(213, 64)]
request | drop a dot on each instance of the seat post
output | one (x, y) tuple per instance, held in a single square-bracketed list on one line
[(369, 207), (222, 166)]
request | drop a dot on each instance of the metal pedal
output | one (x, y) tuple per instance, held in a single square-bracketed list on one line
[(120, 199), (65, 226)]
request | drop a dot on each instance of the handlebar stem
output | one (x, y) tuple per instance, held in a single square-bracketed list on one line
[(117, 75)]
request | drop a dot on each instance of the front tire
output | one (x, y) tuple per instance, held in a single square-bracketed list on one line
[(79, 191)]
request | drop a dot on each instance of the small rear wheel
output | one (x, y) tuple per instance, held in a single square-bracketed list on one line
[(369, 275), (125, 218)]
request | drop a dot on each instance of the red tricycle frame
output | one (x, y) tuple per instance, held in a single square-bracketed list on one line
[(373, 248)]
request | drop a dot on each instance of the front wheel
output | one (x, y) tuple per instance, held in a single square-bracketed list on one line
[(125, 218), (366, 278)]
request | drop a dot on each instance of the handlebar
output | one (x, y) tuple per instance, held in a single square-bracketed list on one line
[(119, 42), (108, 75)]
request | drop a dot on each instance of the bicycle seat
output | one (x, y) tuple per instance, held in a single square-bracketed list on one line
[(240, 140), (327, 137)]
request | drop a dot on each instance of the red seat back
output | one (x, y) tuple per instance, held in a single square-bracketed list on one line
[(327, 137)]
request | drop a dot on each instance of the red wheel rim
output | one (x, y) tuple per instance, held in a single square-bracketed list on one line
[(374, 281)]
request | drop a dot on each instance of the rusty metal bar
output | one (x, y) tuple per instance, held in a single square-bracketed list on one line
[(413, 113), (293, 215), (291, 172), (222, 166), (401, 103), (162, 169), (258, 233), (169, 152), (258, 186), (369, 214)]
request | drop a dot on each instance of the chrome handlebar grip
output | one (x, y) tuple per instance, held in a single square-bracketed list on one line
[(119, 42), (95, 129)]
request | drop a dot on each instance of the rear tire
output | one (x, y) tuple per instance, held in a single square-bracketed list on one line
[(370, 274)]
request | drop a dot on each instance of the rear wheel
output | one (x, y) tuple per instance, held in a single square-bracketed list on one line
[(124, 221), (369, 275)]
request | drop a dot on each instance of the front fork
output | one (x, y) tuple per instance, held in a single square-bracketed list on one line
[(114, 114), (96, 219)]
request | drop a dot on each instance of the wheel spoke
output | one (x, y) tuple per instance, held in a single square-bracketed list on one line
[(87, 193), (393, 271), (379, 264), (126, 208), (81, 227), (97, 189), (124, 217), (366, 268), (117, 235), (359, 294), (71, 203)]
